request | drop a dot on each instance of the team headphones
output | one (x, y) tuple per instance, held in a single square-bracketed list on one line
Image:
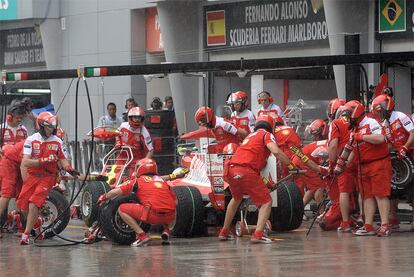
[(17, 108), (268, 94), (155, 99)]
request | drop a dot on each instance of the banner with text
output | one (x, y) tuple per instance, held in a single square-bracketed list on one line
[(262, 23), (21, 48), (153, 30), (8, 9)]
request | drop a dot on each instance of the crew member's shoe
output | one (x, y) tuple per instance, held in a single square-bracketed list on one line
[(259, 237), (38, 229), (165, 236), (366, 230), (344, 227), (142, 240), (384, 230), (25, 239), (225, 234)]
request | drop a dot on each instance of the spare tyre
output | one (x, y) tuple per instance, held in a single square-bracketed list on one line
[(55, 207), (88, 207), (288, 215), (402, 175), (189, 221), (112, 225)]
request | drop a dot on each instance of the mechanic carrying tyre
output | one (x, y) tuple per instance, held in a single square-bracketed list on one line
[(242, 172), (157, 202)]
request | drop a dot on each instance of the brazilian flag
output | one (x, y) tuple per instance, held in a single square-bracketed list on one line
[(392, 16)]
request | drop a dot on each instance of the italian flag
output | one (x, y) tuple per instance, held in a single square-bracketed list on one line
[(216, 28), (17, 76), (96, 71)]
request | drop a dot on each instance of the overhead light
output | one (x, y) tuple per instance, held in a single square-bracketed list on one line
[(33, 90), (149, 77), (241, 74)]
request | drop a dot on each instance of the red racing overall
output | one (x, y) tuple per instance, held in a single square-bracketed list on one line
[(157, 201)]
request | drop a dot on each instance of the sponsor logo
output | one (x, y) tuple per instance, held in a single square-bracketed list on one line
[(36, 146), (285, 132), (218, 180), (219, 189)]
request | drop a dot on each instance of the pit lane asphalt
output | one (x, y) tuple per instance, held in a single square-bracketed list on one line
[(291, 254)]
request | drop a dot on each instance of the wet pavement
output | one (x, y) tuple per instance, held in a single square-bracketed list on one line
[(291, 254)]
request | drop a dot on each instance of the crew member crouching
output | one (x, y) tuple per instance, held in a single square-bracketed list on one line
[(157, 202)]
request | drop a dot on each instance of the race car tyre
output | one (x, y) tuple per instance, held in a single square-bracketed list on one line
[(55, 206), (88, 207), (288, 215), (402, 175), (113, 227), (189, 221)]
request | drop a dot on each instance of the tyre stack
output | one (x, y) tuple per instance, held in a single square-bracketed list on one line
[(163, 130)]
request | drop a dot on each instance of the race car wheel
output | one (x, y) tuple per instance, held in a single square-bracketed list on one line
[(113, 227), (189, 219), (288, 214), (55, 206), (402, 174), (89, 208)]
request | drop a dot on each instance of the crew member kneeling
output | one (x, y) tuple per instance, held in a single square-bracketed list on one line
[(242, 172), (156, 202)]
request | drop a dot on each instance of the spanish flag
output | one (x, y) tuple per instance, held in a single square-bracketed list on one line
[(216, 28)]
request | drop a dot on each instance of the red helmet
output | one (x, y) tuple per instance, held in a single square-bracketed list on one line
[(230, 148), (383, 102), (354, 109), (333, 106), (278, 120), (46, 119), (238, 97), (146, 167), (317, 129), (136, 111), (205, 116), (339, 111), (267, 119)]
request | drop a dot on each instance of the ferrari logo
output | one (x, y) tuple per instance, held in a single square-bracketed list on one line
[(148, 178), (285, 132), (158, 185)]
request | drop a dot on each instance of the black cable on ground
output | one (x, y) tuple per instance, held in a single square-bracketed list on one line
[(73, 197)]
